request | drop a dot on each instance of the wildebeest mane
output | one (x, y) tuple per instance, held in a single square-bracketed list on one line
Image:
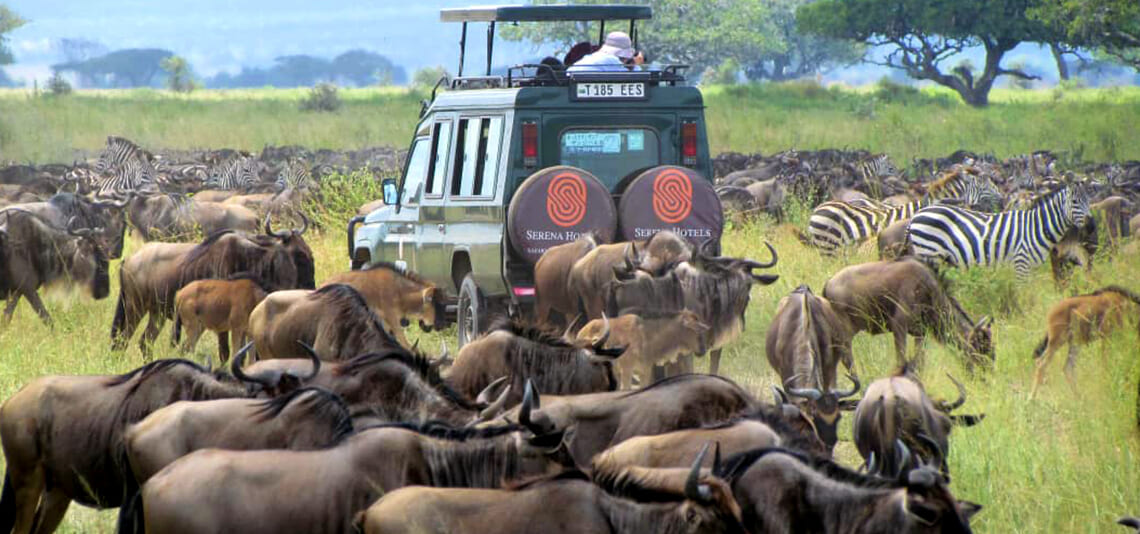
[(352, 313), (790, 437), (252, 277), (151, 368), (325, 406), (678, 378), (733, 467), (529, 331), (444, 431), (1122, 291), (466, 457), (650, 314), (72, 205), (417, 362)]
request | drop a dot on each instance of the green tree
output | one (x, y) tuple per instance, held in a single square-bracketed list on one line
[(131, 67), (8, 22), (1111, 25), (799, 54), (178, 77), (921, 36), (428, 76), (699, 33)]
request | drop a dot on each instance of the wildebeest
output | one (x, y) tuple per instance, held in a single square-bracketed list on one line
[(173, 217), (395, 294), (391, 386), (892, 241), (602, 420), (896, 409), (34, 253), (551, 275), (1116, 210), (682, 501), (1079, 320), (1130, 522), (905, 297), (335, 320), (220, 306), (663, 251), (214, 195), (510, 348), (1077, 246), (718, 292), (650, 338), (590, 275), (62, 436), (150, 278), (67, 210), (323, 490), (806, 342), (306, 419), (783, 491)]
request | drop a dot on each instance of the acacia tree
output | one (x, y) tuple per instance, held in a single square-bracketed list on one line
[(798, 54), (922, 36), (1111, 25), (8, 22), (178, 76)]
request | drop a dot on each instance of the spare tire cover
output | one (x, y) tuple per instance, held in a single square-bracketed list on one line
[(671, 198), (558, 205)]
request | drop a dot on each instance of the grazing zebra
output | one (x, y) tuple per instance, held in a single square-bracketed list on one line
[(963, 237), (132, 175), (294, 176), (117, 152), (836, 224), (238, 174)]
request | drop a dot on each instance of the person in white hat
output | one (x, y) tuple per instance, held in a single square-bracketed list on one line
[(614, 55)]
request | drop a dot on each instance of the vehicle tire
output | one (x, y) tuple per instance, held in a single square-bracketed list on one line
[(471, 315), (557, 205), (674, 198)]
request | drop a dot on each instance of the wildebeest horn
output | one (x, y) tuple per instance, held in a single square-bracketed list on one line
[(494, 408), (239, 362), (855, 385), (484, 397), (268, 227), (601, 341), (779, 395), (716, 458), (950, 406), (805, 393), (304, 223), (1130, 522), (753, 264), (872, 464), (935, 449), (904, 457), (530, 401), (312, 356), (984, 321), (694, 490), (570, 326)]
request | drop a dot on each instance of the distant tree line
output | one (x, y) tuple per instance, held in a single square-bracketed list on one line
[(353, 68)]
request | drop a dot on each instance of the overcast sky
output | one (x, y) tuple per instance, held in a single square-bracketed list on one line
[(220, 35)]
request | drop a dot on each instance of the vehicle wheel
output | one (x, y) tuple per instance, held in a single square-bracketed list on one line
[(471, 313)]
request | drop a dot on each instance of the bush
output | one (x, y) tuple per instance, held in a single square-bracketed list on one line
[(340, 195), (57, 85), (728, 73), (890, 91), (428, 76), (322, 97)]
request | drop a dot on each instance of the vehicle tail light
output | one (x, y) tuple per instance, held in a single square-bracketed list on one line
[(523, 291), (530, 144), (689, 143)]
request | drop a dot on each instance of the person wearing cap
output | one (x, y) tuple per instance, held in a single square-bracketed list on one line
[(614, 55)]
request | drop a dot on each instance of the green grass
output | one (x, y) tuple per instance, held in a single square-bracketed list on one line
[(1091, 124), (1068, 462)]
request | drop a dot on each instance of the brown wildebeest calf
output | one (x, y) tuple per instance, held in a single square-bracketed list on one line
[(650, 338), (904, 297), (395, 294), (220, 306), (551, 273), (674, 449), (1078, 321)]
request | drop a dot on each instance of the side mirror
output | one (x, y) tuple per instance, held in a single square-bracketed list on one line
[(391, 192)]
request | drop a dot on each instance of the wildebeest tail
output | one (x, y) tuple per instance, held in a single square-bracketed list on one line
[(4, 265), (7, 505), (177, 333), (120, 320), (131, 518), (1037, 352)]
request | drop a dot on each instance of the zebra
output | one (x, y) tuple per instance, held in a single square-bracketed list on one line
[(238, 174), (836, 223), (295, 175), (963, 237), (118, 151), (131, 176)]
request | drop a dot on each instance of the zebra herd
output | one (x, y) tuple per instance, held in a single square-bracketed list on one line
[(124, 168)]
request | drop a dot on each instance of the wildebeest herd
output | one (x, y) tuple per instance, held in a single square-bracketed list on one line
[(587, 417)]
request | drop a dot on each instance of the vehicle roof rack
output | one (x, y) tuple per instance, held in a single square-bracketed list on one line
[(546, 13)]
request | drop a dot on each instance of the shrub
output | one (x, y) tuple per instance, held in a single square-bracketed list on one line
[(322, 97), (728, 73), (340, 195), (57, 85), (887, 90), (428, 76)]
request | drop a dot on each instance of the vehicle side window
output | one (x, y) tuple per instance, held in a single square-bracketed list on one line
[(437, 166), (417, 170), (480, 143)]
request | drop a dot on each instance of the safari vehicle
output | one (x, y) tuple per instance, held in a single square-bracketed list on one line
[(503, 167)]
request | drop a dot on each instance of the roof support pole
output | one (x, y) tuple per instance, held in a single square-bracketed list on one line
[(633, 33), (602, 34), (490, 44), (462, 48)]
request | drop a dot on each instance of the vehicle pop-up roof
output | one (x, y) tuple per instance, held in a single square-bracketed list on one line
[(540, 13)]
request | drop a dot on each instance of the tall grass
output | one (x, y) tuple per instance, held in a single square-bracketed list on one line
[(1094, 124)]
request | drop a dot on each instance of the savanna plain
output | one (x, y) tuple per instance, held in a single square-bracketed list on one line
[(1068, 461)]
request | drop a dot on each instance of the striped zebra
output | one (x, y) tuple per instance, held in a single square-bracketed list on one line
[(836, 224), (130, 176), (117, 152), (963, 237), (238, 174), (295, 175)]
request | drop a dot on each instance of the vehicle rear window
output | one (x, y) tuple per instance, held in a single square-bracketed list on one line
[(610, 153)]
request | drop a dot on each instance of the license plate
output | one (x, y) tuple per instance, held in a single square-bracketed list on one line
[(610, 91)]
